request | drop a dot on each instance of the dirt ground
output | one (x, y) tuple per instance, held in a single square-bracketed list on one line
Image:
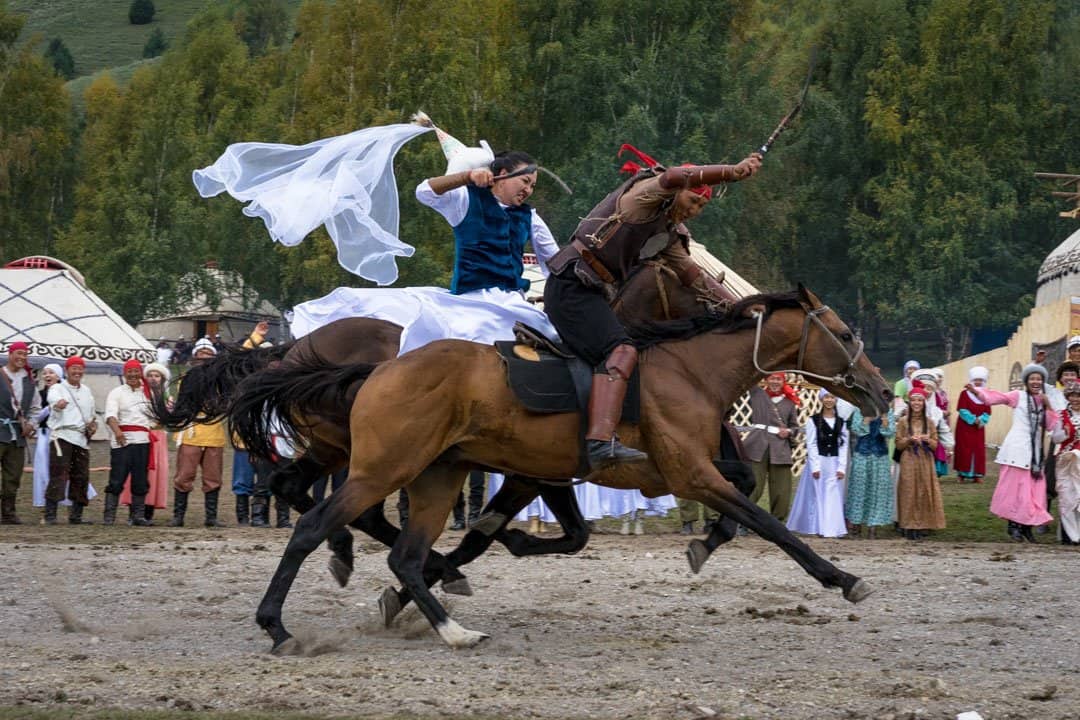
[(96, 618)]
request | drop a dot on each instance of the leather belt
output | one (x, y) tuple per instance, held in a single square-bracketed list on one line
[(592, 261)]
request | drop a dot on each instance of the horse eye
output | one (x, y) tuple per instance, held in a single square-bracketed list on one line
[(846, 337)]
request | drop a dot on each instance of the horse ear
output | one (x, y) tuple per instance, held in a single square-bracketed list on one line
[(808, 298)]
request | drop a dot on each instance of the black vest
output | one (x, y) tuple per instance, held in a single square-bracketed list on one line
[(828, 438), (10, 431)]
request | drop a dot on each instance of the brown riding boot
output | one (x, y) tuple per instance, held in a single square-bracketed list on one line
[(605, 408)]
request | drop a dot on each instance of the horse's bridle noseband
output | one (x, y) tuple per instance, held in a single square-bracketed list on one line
[(847, 379)]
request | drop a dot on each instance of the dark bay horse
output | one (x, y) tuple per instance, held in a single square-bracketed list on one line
[(652, 292), (423, 419)]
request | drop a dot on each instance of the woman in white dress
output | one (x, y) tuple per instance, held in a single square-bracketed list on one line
[(818, 507)]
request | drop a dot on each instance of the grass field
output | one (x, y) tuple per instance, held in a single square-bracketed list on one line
[(97, 32)]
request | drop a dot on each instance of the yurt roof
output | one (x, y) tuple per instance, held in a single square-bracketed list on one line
[(45, 303), (235, 298)]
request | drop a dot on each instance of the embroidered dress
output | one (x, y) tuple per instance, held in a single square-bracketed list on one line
[(870, 497), (818, 507), (970, 455), (1020, 495), (1068, 475), (918, 494)]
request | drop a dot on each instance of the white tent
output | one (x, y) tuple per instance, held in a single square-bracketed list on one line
[(732, 280), (45, 303)]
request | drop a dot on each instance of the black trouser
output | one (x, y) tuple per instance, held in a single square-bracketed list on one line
[(585, 321), (476, 497), (131, 459), (318, 488), (263, 469), (69, 469)]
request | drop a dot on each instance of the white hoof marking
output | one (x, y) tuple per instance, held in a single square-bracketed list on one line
[(458, 637)]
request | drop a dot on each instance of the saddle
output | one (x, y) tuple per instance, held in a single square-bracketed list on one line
[(547, 378)]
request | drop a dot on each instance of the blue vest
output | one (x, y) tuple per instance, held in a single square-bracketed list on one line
[(489, 244)]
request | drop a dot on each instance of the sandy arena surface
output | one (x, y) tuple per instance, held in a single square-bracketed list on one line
[(164, 619)]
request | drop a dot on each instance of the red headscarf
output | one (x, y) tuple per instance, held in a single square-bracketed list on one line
[(134, 364), (74, 360), (632, 168), (18, 345), (785, 390), (918, 388)]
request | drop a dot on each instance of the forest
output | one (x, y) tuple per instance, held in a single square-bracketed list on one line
[(904, 193)]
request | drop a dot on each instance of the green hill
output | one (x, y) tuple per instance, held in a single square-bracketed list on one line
[(97, 32)]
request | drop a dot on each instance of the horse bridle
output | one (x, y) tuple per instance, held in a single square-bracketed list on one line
[(847, 378)]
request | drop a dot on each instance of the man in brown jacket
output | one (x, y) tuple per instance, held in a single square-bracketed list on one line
[(775, 418)]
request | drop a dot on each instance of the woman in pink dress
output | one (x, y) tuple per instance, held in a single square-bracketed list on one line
[(1020, 495), (156, 376)]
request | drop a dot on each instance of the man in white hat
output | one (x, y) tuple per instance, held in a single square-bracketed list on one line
[(201, 447), (1072, 348)]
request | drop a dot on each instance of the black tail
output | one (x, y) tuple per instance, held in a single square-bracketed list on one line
[(208, 388), (298, 395)]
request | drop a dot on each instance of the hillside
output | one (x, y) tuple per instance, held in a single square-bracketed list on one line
[(98, 33)]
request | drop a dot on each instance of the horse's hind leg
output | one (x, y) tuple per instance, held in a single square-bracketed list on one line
[(291, 482), (698, 551), (561, 500), (431, 498)]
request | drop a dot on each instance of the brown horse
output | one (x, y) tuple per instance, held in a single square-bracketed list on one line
[(423, 419), (652, 292)]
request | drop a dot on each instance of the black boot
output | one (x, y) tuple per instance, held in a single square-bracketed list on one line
[(605, 408), (138, 511), (1014, 532), (50, 512), (7, 512), (459, 513), (75, 515), (149, 514), (211, 500), (1025, 532), (260, 512), (243, 505), (282, 509), (112, 500), (179, 509)]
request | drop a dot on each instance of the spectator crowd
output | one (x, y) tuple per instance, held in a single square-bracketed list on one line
[(860, 473)]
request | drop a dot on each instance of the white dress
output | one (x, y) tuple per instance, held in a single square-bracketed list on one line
[(535, 509), (818, 507), (623, 503), (426, 314)]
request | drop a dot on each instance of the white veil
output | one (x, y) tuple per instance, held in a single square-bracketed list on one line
[(345, 182)]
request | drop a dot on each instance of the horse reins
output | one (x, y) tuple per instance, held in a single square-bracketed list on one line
[(847, 378)]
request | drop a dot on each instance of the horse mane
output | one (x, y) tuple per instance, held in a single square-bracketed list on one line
[(646, 334)]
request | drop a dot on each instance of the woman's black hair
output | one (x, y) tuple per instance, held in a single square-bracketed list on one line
[(510, 160)]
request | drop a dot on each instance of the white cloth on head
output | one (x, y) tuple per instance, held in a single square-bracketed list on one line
[(204, 344), (426, 314), (345, 183), (979, 373)]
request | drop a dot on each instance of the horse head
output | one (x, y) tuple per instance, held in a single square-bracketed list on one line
[(654, 292), (820, 346)]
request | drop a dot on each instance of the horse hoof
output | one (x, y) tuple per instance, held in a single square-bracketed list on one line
[(340, 570), (858, 592), (458, 637), (389, 605), (696, 554), (489, 523), (460, 586), (288, 646)]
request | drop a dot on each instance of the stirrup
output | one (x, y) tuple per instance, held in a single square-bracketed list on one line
[(604, 453)]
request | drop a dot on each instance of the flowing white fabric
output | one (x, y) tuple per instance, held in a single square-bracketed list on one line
[(345, 182), (426, 314), (818, 505)]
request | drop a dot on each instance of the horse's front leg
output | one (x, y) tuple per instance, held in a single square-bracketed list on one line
[(710, 487), (291, 483), (431, 498)]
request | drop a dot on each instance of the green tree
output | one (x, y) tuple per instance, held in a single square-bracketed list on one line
[(141, 12), (58, 55), (156, 44), (261, 23), (34, 141)]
